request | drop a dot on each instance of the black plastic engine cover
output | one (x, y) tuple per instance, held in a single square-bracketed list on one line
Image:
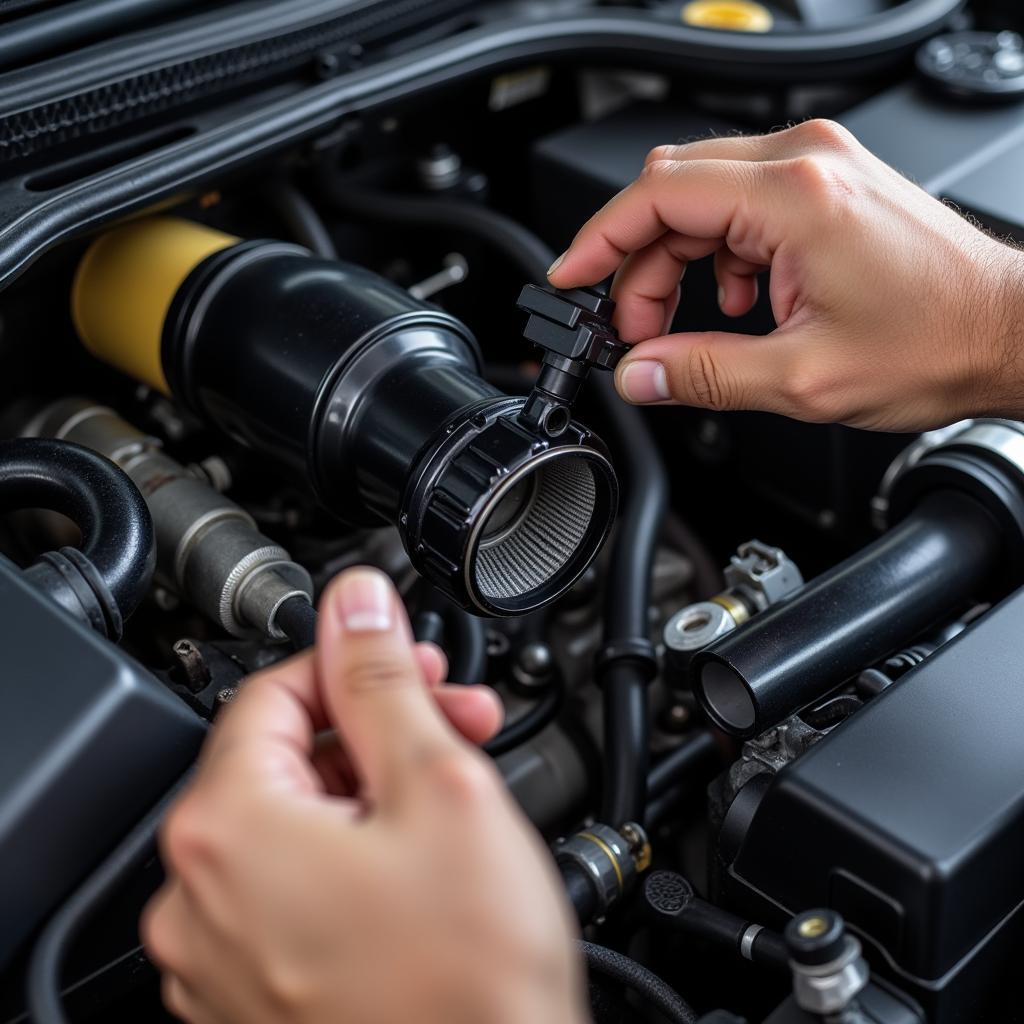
[(909, 820), (88, 741)]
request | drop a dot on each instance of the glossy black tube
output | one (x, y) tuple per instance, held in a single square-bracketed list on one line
[(117, 531), (912, 578), (694, 752)]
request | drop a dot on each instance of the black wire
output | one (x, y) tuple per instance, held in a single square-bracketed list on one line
[(43, 990), (635, 976), (539, 717), (296, 618), (302, 220)]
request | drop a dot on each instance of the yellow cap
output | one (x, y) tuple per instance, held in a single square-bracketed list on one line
[(124, 287), (734, 15)]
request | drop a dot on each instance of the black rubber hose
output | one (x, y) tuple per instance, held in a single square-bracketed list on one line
[(302, 220), (913, 577), (623, 675), (539, 717), (627, 972), (296, 618), (468, 646), (517, 243), (627, 660), (101, 500), (45, 967), (695, 751)]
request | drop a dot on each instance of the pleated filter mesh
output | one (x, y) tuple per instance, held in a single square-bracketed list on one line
[(547, 537)]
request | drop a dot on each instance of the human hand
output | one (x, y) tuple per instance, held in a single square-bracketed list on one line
[(390, 879), (894, 312)]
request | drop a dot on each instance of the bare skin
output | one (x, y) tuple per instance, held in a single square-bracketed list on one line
[(894, 312), (388, 877)]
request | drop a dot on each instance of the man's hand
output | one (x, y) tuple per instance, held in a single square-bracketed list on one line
[(387, 878), (894, 312)]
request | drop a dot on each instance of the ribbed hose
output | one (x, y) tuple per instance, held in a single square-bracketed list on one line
[(116, 527), (624, 678), (627, 972)]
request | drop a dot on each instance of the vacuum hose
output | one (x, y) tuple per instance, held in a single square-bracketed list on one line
[(102, 582)]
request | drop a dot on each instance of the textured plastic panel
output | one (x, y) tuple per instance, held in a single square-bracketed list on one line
[(88, 741)]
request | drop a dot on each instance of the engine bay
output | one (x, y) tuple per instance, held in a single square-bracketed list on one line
[(275, 305)]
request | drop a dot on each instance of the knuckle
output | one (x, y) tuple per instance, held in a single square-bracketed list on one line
[(660, 153), (188, 837), (156, 937), (463, 778), (813, 396), (821, 180), (823, 133), (707, 383), (658, 171)]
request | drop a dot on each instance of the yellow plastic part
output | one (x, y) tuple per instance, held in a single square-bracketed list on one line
[(124, 287), (733, 15)]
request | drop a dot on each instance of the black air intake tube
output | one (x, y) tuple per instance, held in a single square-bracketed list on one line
[(959, 535), (102, 582), (371, 397)]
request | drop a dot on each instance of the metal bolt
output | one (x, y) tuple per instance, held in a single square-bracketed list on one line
[(197, 673), (533, 665), (813, 927)]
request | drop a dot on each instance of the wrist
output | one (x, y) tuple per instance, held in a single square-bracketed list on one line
[(998, 337)]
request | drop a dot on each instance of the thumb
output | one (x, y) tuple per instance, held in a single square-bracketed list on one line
[(711, 370), (373, 684)]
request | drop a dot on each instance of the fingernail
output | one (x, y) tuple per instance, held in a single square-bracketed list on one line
[(554, 266), (644, 381), (721, 298), (363, 601)]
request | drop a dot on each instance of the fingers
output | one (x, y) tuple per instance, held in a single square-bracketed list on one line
[(274, 721), (373, 685), (646, 288), (710, 371), (737, 283), (698, 199), (475, 712)]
